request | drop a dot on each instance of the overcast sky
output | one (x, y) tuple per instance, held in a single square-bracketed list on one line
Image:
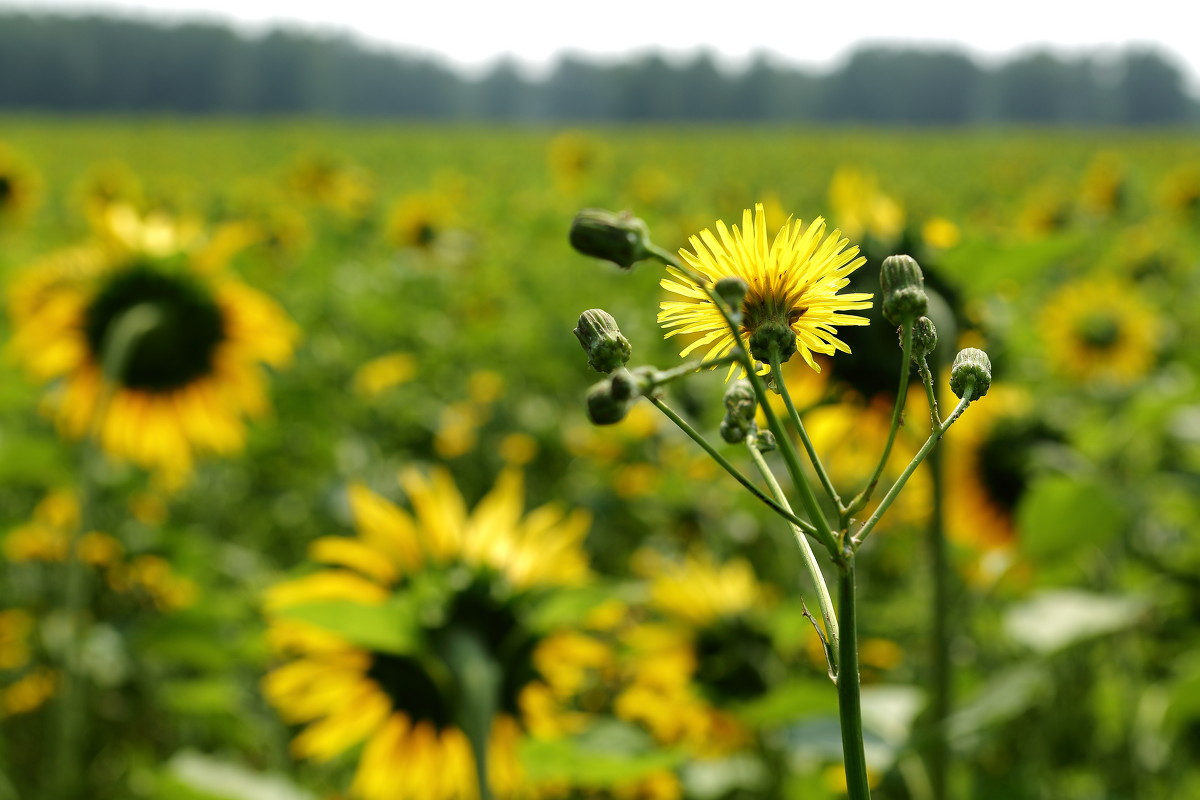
[(474, 34)]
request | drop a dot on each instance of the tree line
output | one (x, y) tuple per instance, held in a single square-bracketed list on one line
[(102, 64)]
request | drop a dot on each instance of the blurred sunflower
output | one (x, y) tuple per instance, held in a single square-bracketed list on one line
[(862, 208), (1179, 190), (709, 650), (471, 574), (573, 157), (1100, 330), (1105, 186), (793, 282), (419, 219), (23, 687), (190, 382), (20, 186), (989, 464)]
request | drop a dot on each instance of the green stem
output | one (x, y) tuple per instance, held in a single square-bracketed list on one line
[(864, 496), (890, 497), (937, 754), (935, 418), (683, 370), (120, 341), (810, 561), (695, 436), (478, 678), (849, 700), (822, 475)]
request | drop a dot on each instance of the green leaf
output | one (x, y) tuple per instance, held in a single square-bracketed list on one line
[(202, 776), (1002, 698), (788, 702), (389, 628), (1060, 514), (567, 607), (1059, 618)]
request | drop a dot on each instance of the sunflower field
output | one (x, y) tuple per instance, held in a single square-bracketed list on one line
[(301, 496)]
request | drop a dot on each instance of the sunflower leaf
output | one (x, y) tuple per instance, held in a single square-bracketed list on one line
[(389, 628)]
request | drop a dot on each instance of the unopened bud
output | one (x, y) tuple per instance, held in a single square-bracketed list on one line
[(606, 348), (740, 400), (971, 368), (734, 430), (776, 334), (603, 405), (903, 289), (620, 238), (924, 339), (765, 441), (732, 290)]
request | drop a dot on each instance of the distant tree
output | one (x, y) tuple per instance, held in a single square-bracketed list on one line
[(1150, 91), (889, 85)]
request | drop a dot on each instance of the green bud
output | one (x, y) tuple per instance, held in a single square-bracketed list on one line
[(765, 441), (732, 290), (925, 338), (903, 289), (772, 333), (734, 430), (971, 367), (604, 406), (625, 385), (740, 401), (606, 348), (620, 238)]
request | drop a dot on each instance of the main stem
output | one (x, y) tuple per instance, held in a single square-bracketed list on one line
[(849, 700), (937, 754)]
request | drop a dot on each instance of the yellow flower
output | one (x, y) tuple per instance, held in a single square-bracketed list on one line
[(1100, 331), (15, 627), (190, 383), (45, 537), (1104, 185), (400, 705), (862, 207), (699, 590), (28, 693), (20, 186), (380, 374), (417, 220), (793, 281)]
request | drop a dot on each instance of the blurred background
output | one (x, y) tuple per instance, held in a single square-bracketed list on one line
[(373, 203)]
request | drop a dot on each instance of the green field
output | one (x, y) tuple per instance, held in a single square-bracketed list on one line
[(404, 299)]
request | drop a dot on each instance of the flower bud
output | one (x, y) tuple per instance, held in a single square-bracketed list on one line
[(765, 441), (903, 289), (732, 290), (925, 338), (734, 430), (604, 406), (772, 333), (606, 348), (971, 367), (740, 401), (620, 238)]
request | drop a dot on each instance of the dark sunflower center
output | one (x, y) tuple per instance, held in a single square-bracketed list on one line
[(425, 234), (1099, 331), (181, 348), (409, 686), (6, 190), (733, 659), (1005, 459)]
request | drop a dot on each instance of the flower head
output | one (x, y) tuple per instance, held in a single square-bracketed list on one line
[(467, 571), (189, 383), (1100, 331), (792, 284)]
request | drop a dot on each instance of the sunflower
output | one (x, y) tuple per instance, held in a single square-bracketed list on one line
[(189, 383), (1100, 331), (468, 571), (863, 208), (793, 282), (20, 186)]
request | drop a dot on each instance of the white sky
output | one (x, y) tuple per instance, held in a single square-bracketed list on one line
[(816, 34)]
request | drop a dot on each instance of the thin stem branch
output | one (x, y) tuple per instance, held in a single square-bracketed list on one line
[(822, 474), (695, 436), (890, 497), (935, 417), (863, 497), (683, 370), (810, 561)]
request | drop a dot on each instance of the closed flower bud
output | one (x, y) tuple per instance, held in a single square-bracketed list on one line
[(604, 406), (971, 368), (925, 338), (733, 291), (734, 430), (903, 289), (606, 348), (620, 238), (765, 441), (772, 333), (740, 400)]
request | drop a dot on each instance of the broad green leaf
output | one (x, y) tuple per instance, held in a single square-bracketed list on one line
[(1059, 618), (1002, 698), (607, 754), (790, 702), (1060, 514), (207, 777)]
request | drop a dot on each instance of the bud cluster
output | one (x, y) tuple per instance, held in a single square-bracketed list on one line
[(740, 407), (609, 401)]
